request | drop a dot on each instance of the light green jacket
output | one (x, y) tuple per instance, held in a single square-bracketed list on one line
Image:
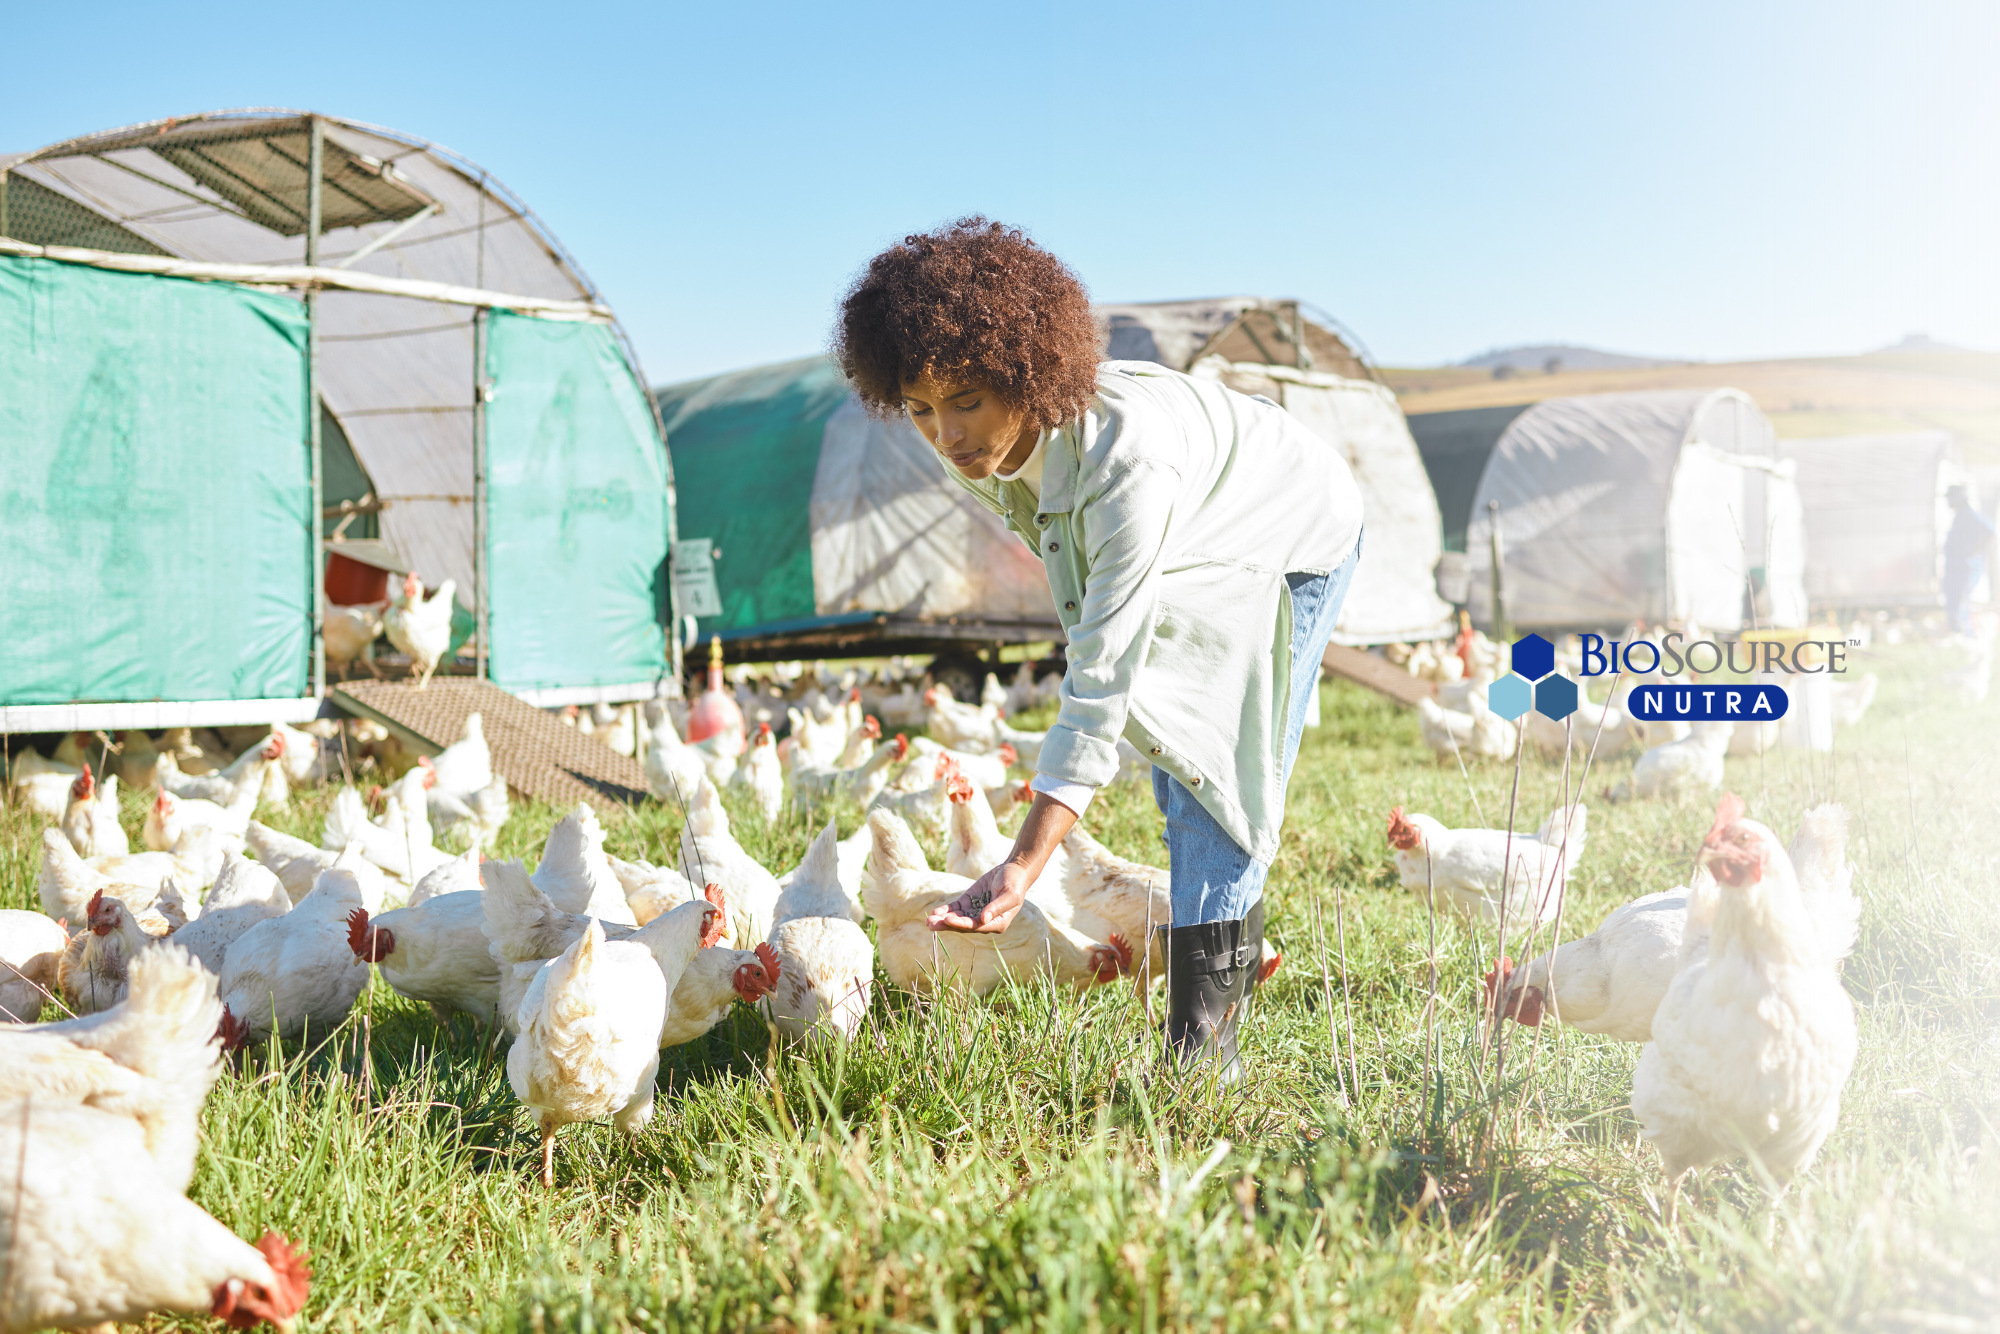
[(1170, 513)]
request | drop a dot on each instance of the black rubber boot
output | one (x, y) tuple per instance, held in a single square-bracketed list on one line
[(1253, 930), (1209, 967)]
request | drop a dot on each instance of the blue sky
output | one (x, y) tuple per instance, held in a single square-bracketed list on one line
[(1711, 180)]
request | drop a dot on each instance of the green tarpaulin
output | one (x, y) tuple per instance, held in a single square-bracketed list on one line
[(576, 530), (157, 489), (746, 448)]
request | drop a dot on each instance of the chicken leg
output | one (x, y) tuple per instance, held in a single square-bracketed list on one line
[(548, 1155)]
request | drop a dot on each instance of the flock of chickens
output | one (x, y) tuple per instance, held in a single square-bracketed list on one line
[(222, 926)]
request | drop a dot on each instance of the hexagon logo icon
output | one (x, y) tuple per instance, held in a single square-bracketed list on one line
[(1555, 697), (1534, 657), (1510, 697)]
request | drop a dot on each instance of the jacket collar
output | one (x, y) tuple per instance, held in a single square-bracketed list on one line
[(1059, 469)]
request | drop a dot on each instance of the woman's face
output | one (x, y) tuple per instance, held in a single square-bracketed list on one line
[(975, 430)]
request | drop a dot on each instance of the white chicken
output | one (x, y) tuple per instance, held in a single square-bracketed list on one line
[(460, 875), (91, 822), (31, 951), (1753, 1043), (401, 845), (95, 1234), (523, 929), (245, 894), (960, 726), (650, 890), (674, 769), (712, 853), (985, 770), (67, 881), (900, 889), (1611, 981), (152, 1057), (419, 626), (589, 1038), (759, 771), (42, 785), (296, 974), (464, 792), (1469, 868), (974, 845), (1027, 746), (96, 966), (170, 817), (575, 873), (349, 633), (223, 787), (826, 962), (928, 808), (1479, 733), (861, 783), (297, 864), (1690, 766), (434, 951)]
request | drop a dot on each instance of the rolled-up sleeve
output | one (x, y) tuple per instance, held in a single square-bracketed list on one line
[(1123, 526)]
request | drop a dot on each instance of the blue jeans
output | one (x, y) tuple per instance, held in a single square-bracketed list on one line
[(1211, 879)]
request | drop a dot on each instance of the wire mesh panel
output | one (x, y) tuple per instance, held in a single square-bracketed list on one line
[(576, 527), (158, 489)]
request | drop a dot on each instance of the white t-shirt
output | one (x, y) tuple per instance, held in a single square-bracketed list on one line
[(1030, 475)]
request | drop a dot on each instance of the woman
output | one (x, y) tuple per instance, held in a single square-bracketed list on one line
[(1198, 545)]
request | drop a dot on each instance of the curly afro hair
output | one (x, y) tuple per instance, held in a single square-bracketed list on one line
[(977, 298)]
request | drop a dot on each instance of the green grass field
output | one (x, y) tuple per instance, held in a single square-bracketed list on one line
[(1023, 1161)]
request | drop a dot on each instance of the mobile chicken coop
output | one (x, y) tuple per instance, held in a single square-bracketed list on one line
[(1670, 506), (814, 529), (1876, 516), (226, 338)]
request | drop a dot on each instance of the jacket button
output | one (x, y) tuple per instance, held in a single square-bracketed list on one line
[(1156, 750), (1042, 519), (1069, 606), (1055, 546), (1197, 780)]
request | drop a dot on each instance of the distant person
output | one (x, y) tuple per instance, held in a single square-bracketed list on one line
[(1964, 558), (1198, 544)]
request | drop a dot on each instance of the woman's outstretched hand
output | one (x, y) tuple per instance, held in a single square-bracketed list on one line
[(990, 902), (989, 905)]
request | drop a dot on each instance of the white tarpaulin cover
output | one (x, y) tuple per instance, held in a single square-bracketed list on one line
[(1657, 506), (1876, 516), (1394, 593), (891, 532)]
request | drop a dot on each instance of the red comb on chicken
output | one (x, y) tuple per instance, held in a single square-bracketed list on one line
[(274, 746), (1735, 853), (753, 980), (1403, 835), (164, 803), (945, 768), (930, 697), (715, 923), (958, 788), (1525, 1011), (1008, 755), (102, 916), (871, 727), (83, 788), (902, 746), (231, 1032), (369, 943), (1268, 967), (1112, 960), (245, 1305)]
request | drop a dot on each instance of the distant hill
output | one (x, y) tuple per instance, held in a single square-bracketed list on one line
[(1549, 358), (1918, 342), (1914, 387)]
